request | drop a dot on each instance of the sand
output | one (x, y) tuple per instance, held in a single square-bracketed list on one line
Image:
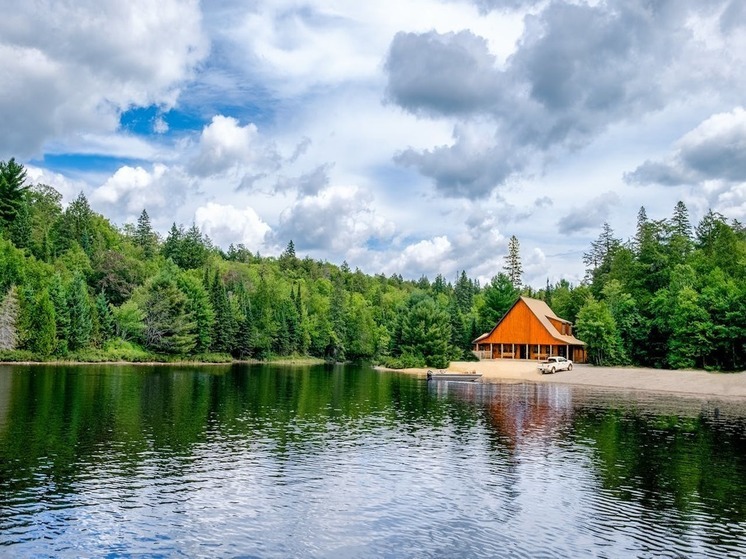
[(697, 383)]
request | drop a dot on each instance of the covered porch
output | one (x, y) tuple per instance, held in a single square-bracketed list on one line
[(539, 352)]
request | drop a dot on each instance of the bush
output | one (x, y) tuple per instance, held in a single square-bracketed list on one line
[(405, 361), (17, 355)]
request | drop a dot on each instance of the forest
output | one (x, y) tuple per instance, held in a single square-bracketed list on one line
[(74, 286)]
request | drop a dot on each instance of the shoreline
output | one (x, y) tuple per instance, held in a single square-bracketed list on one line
[(696, 383), (298, 362)]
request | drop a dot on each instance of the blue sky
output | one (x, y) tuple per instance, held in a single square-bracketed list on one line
[(403, 137)]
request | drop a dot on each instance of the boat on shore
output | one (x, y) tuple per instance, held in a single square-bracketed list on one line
[(446, 376)]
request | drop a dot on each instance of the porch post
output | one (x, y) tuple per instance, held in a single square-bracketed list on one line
[(513, 348), (492, 355)]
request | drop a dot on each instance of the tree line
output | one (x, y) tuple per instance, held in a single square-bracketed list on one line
[(75, 286)]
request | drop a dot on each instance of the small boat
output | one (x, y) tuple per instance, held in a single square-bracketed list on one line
[(445, 375)]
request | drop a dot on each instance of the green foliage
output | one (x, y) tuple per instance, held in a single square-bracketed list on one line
[(79, 315), (499, 296), (145, 237), (200, 307), (672, 296), (42, 326), (169, 325), (426, 331), (129, 321), (597, 328), (12, 194), (513, 267)]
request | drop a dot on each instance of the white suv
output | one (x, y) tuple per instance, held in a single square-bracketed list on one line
[(555, 363)]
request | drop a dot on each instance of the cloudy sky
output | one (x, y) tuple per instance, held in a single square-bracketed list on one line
[(403, 136)]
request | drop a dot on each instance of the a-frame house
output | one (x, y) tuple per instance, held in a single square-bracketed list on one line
[(530, 330)]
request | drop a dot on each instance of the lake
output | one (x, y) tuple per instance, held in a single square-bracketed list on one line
[(344, 461)]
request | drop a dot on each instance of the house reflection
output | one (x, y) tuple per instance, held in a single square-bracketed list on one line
[(518, 412)]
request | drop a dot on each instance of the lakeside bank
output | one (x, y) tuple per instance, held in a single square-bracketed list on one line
[(685, 382)]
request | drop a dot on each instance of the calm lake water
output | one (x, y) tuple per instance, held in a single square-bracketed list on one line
[(260, 461)]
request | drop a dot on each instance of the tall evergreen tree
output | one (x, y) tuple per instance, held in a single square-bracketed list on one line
[(463, 292), (79, 309), (172, 245), (641, 229), (680, 221), (43, 340), (145, 237), (598, 260), (224, 325), (201, 309), (77, 225), (12, 192), (513, 266)]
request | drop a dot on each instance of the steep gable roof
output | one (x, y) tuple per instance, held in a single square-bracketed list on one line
[(543, 313)]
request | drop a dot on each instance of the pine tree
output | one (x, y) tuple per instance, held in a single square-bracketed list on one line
[(145, 237), (42, 325), (224, 325), (289, 250), (680, 221), (640, 231), (598, 260), (79, 308), (200, 306), (12, 192), (172, 245), (463, 291), (76, 225), (513, 266), (105, 318)]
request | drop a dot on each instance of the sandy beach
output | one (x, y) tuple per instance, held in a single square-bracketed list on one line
[(697, 383)]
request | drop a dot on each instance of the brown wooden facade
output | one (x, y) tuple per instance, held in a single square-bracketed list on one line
[(530, 330)]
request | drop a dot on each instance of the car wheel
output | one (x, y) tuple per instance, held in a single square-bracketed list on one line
[(551, 370), (569, 367)]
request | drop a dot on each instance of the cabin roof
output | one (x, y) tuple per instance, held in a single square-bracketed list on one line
[(543, 313)]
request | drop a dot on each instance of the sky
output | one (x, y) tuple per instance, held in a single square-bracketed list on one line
[(401, 136)]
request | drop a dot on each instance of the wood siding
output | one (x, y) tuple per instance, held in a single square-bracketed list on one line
[(520, 326)]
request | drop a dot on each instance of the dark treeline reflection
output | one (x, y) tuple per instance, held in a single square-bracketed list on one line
[(661, 451), (59, 419)]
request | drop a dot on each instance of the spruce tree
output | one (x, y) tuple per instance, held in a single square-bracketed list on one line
[(79, 309), (105, 318), (43, 339), (145, 237), (12, 192), (512, 265), (172, 245), (224, 325), (201, 308)]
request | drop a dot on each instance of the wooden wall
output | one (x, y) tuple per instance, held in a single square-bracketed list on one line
[(520, 326)]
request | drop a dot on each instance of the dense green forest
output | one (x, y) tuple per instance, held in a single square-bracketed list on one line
[(75, 286)]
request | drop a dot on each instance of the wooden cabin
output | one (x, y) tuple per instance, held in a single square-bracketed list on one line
[(530, 330)]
